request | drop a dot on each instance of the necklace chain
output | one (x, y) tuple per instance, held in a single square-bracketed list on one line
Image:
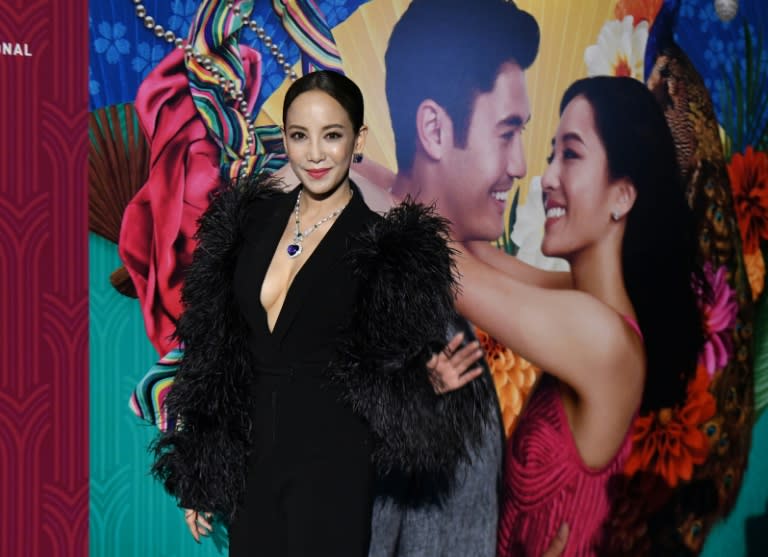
[(295, 248)]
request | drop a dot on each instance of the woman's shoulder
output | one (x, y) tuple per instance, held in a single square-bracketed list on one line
[(237, 197), (263, 190), (260, 199)]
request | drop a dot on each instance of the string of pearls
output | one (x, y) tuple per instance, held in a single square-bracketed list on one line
[(227, 85)]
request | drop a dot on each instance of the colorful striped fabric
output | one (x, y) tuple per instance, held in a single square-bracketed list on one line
[(306, 25), (148, 396), (214, 34)]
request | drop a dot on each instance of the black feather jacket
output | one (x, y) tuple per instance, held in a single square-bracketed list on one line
[(404, 313)]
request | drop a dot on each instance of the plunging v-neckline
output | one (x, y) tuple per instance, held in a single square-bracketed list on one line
[(299, 271)]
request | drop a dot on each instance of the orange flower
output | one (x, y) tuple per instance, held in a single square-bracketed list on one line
[(755, 272), (670, 442), (640, 10), (749, 181), (513, 377)]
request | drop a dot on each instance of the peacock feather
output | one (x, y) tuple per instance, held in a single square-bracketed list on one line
[(678, 520)]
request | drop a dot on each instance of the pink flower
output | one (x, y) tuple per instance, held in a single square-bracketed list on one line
[(719, 315)]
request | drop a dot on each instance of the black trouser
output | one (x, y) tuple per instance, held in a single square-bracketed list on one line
[(309, 490)]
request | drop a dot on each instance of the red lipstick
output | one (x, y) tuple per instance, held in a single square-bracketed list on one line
[(318, 173)]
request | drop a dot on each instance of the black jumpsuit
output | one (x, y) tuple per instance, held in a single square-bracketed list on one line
[(309, 486)]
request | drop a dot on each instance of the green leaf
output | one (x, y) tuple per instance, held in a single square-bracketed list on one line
[(744, 106)]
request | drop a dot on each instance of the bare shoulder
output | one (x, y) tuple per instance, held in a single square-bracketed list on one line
[(602, 405), (620, 368), (605, 346)]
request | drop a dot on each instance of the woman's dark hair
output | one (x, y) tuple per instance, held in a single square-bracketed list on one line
[(659, 247), (338, 86)]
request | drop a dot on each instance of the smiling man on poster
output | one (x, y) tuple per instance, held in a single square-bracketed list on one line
[(457, 96)]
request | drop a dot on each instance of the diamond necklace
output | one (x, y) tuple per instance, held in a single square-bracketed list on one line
[(294, 248)]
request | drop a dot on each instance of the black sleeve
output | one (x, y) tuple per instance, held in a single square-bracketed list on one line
[(405, 314), (202, 460)]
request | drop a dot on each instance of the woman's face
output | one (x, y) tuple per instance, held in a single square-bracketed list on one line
[(579, 195), (320, 142)]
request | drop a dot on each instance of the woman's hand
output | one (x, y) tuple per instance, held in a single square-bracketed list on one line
[(449, 369), (198, 523)]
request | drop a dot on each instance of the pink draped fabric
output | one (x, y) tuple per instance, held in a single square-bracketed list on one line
[(156, 237)]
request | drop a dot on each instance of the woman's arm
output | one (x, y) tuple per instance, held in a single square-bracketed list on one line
[(517, 269), (569, 333)]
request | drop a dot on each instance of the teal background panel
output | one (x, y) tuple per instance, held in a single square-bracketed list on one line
[(130, 513), (744, 533)]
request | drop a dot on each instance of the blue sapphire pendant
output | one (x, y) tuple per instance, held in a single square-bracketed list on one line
[(294, 249)]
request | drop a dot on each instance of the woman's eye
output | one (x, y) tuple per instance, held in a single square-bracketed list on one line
[(333, 135), (568, 154), (297, 136)]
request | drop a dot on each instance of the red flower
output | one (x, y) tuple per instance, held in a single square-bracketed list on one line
[(749, 181), (640, 10), (670, 442)]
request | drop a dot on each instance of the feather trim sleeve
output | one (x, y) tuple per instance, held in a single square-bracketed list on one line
[(202, 460), (406, 313)]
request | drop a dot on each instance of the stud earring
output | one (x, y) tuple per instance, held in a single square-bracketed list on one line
[(615, 216), (357, 158)]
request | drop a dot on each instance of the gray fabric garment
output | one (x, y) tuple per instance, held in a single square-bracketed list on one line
[(465, 525)]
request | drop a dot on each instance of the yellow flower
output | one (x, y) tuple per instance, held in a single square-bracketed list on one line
[(513, 377)]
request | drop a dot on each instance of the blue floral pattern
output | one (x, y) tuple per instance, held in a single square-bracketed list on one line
[(119, 36), (707, 18), (717, 48), (183, 12), (93, 86), (148, 57), (111, 42), (686, 10), (335, 11)]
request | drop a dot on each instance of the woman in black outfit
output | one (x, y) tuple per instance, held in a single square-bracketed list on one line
[(310, 330)]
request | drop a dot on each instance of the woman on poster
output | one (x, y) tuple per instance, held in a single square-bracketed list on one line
[(623, 334)]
